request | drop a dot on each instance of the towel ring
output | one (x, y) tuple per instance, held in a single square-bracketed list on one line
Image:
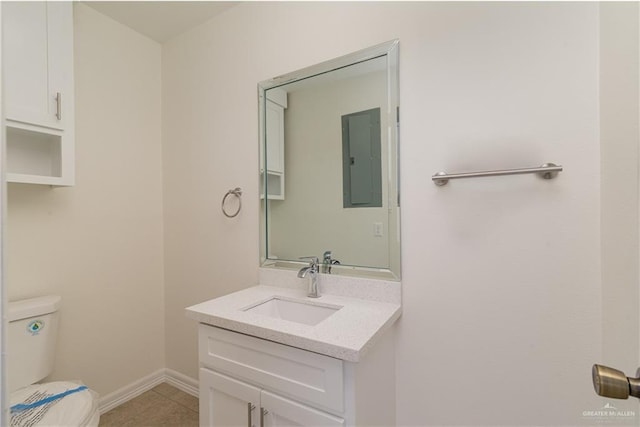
[(236, 192)]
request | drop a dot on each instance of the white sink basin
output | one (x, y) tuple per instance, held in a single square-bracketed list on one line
[(294, 311)]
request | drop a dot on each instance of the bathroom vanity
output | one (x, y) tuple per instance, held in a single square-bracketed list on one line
[(265, 367), (287, 352)]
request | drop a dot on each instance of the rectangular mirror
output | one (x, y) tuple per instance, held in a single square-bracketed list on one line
[(329, 165)]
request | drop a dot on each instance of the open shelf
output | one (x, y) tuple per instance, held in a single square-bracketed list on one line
[(275, 185), (34, 157)]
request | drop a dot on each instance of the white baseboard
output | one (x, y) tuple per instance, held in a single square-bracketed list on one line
[(182, 382), (136, 388)]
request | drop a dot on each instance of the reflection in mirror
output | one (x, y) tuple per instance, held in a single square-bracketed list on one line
[(328, 165)]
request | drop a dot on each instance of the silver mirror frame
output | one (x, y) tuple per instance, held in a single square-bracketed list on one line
[(390, 50)]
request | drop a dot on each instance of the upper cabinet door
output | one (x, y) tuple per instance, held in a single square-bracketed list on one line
[(38, 57), (275, 137), (276, 103)]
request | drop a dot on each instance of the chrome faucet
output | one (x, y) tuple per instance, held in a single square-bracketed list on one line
[(327, 262), (312, 271)]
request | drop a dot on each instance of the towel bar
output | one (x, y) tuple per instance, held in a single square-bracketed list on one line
[(546, 171)]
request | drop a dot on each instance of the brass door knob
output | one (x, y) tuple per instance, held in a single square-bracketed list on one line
[(609, 382)]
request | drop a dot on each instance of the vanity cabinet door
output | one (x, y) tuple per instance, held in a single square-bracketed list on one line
[(227, 402), (281, 412)]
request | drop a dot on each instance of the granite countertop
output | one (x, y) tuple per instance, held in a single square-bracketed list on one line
[(347, 334)]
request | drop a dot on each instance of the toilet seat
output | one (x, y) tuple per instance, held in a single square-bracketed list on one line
[(76, 409)]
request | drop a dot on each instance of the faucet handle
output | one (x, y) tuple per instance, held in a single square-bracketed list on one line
[(313, 260)]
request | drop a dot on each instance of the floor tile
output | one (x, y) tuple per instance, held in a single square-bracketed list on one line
[(166, 390), (164, 405), (167, 414), (187, 400)]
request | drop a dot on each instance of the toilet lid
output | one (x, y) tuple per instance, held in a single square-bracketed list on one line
[(72, 410)]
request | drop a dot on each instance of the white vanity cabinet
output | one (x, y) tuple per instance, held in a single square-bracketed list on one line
[(248, 381), (37, 54), (225, 401)]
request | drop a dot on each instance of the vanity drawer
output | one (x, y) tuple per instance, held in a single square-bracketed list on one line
[(302, 375)]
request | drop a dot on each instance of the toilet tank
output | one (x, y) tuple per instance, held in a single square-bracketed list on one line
[(31, 340)]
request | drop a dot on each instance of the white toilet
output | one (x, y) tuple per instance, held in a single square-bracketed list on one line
[(31, 339)]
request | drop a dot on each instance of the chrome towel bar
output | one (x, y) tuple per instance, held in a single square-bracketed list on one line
[(546, 171)]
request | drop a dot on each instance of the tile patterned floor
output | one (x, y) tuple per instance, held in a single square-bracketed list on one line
[(163, 405)]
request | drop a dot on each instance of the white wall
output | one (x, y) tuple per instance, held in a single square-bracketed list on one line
[(206, 254), (501, 277), (99, 244), (507, 296)]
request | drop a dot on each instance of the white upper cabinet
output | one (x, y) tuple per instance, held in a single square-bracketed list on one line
[(275, 104), (37, 49), (275, 137)]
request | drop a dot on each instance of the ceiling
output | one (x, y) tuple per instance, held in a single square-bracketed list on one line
[(161, 20)]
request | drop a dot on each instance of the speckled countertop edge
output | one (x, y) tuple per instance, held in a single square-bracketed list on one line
[(346, 334)]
